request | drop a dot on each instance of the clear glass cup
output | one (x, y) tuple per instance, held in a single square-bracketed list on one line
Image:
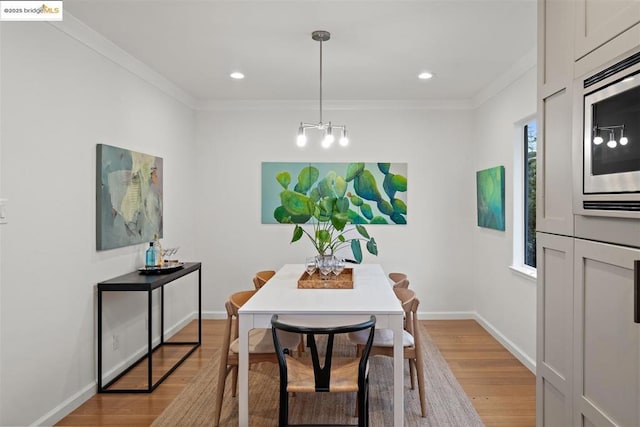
[(338, 266), (325, 265), (310, 266)]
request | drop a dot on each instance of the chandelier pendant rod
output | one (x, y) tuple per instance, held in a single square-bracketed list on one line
[(321, 83)]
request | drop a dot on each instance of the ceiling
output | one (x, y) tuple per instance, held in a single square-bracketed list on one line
[(376, 51)]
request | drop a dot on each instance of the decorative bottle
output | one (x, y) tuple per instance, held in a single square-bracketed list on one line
[(150, 256), (158, 249)]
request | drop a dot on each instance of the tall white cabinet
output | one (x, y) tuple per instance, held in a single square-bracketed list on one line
[(588, 346)]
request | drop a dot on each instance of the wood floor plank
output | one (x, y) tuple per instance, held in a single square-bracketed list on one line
[(501, 389)]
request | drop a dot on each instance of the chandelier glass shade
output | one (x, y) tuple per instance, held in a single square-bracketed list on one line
[(328, 129)]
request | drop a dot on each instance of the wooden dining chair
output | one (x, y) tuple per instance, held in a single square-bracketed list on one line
[(261, 347), (335, 375), (262, 277), (399, 280), (404, 284), (383, 342)]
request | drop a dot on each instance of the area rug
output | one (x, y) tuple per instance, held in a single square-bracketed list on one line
[(447, 403)]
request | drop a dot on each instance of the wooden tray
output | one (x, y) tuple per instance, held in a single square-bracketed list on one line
[(343, 281)]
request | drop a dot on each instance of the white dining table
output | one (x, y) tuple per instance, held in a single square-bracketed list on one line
[(371, 294)]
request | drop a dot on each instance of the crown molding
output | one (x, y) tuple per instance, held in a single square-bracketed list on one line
[(81, 32), (517, 70), (328, 105)]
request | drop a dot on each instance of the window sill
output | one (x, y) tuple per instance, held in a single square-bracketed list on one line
[(525, 271)]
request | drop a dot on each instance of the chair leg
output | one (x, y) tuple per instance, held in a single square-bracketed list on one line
[(412, 371), (363, 405), (420, 372), (234, 384), (223, 371), (284, 408)]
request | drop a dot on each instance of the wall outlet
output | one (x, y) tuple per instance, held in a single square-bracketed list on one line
[(3, 211), (116, 342)]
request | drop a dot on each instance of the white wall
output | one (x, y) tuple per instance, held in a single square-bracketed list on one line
[(59, 99), (505, 301), (435, 248)]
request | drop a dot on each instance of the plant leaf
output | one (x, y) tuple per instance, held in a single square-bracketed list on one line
[(372, 246), (366, 211), (357, 250), (379, 220), (342, 204), (339, 220), (384, 167), (398, 218), (324, 236), (362, 231), (296, 203), (399, 206), (306, 178), (354, 170), (297, 234), (385, 207), (399, 182), (284, 178), (340, 186), (366, 187)]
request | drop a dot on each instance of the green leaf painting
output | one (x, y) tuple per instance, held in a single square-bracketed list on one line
[(490, 194), (365, 193)]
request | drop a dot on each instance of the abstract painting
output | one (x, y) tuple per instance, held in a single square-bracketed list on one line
[(128, 197), (376, 193), (490, 189)]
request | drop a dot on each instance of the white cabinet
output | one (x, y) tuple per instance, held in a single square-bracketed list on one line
[(599, 21), (606, 340), (555, 85), (554, 367)]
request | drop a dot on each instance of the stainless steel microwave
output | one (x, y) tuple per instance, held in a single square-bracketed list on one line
[(611, 139)]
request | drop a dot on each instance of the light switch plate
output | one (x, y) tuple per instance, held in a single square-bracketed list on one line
[(3, 211)]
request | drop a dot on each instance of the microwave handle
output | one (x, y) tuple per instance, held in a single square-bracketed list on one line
[(636, 291)]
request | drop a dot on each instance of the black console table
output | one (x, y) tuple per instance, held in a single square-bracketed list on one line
[(136, 282)]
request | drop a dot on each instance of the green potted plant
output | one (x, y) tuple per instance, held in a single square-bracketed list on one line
[(326, 206)]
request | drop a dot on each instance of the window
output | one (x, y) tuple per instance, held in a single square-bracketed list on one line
[(524, 197), (529, 178)]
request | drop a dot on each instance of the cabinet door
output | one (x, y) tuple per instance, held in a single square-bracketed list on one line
[(554, 372), (554, 179), (598, 21), (607, 341)]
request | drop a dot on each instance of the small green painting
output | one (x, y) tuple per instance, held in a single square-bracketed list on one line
[(490, 189), (369, 193)]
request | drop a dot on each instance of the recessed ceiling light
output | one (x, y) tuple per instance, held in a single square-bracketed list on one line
[(236, 75), (425, 75)]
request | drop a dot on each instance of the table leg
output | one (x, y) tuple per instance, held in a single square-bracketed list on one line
[(245, 322), (100, 389), (149, 343), (398, 371)]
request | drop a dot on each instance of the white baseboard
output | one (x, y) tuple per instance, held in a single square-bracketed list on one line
[(214, 315), (446, 315), (88, 391), (66, 407), (507, 343)]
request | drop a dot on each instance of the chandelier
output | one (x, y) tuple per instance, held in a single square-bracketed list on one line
[(327, 128), (611, 130)]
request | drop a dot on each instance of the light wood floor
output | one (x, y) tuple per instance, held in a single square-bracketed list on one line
[(499, 386)]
